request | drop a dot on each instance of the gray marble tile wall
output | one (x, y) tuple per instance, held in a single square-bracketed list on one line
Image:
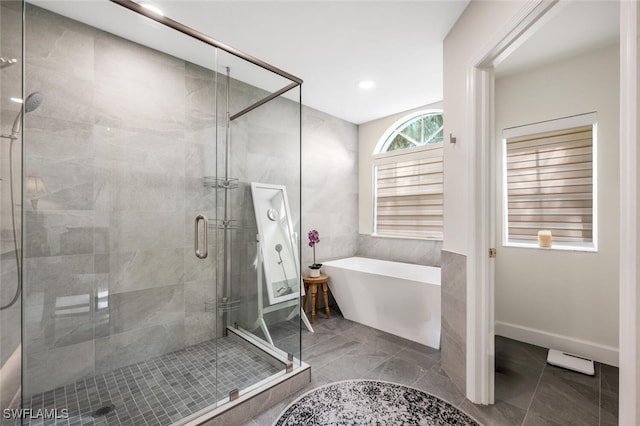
[(330, 186), (454, 317), (420, 252)]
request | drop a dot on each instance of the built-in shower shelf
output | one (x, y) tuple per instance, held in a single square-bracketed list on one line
[(220, 183), (222, 305)]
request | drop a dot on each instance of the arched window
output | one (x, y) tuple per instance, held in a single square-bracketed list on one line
[(419, 130), (408, 178)]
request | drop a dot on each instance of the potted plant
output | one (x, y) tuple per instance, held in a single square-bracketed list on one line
[(314, 238)]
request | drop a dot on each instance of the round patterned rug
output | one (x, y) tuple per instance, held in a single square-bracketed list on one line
[(371, 402)]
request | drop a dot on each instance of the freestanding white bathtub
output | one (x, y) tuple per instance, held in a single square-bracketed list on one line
[(399, 298)]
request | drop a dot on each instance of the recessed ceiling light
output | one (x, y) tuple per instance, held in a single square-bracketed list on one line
[(16, 100), (366, 84), (152, 8)]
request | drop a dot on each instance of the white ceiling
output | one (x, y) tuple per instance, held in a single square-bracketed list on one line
[(332, 45)]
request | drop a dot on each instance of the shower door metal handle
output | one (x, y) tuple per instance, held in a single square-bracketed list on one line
[(196, 245)]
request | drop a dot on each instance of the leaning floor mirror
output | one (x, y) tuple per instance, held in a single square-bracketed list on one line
[(277, 254)]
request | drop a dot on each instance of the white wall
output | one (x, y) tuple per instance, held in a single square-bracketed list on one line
[(564, 299), (476, 29)]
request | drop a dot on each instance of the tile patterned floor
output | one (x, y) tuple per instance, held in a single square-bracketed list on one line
[(528, 391), (156, 392)]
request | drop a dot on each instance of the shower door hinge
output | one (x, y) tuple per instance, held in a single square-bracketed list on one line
[(492, 253)]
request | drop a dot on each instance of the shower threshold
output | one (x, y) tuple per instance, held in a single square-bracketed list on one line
[(187, 386)]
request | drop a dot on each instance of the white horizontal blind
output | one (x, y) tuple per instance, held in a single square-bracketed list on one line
[(409, 197), (550, 185)]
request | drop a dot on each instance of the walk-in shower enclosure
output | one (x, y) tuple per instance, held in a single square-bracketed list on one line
[(136, 233)]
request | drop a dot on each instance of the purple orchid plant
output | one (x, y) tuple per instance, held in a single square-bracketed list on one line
[(314, 238)]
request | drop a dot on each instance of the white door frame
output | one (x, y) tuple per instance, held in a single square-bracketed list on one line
[(480, 282), (628, 394)]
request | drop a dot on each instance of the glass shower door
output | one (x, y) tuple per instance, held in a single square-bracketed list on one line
[(119, 311)]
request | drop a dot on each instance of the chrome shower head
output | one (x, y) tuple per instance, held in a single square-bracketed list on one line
[(33, 101), (278, 248)]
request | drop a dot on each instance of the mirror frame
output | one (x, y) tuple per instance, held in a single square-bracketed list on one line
[(263, 219)]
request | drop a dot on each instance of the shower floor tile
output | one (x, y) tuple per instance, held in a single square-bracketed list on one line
[(156, 392)]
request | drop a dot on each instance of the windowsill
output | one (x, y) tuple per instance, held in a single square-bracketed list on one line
[(561, 246), (401, 237)]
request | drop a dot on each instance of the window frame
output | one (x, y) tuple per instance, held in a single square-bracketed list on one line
[(581, 120), (398, 156)]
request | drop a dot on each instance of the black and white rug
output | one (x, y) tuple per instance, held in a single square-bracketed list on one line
[(371, 402)]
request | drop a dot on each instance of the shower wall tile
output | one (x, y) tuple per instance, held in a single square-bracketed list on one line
[(143, 308), (199, 161), (131, 231), (61, 314), (56, 43), (129, 80), (65, 96), (139, 171), (196, 269), (454, 317), (42, 273), (200, 324), (420, 252), (200, 97), (57, 232), (61, 153), (122, 349), (45, 370), (144, 269)]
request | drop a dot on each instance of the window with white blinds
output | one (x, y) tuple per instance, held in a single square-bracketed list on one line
[(550, 184), (409, 195)]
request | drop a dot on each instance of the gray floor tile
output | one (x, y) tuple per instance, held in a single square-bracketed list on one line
[(355, 364), (534, 420), (436, 382), (397, 370), (609, 378), (520, 353), (516, 383), (423, 356), (499, 414), (375, 338), (608, 408), (319, 355), (567, 397)]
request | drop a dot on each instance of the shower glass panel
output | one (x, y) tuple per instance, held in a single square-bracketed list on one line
[(262, 146), (140, 249), (10, 210)]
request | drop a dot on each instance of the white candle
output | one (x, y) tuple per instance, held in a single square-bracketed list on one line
[(544, 239)]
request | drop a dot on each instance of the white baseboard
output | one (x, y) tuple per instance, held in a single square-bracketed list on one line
[(595, 351)]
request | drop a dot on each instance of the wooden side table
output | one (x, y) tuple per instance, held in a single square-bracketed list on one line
[(312, 283)]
